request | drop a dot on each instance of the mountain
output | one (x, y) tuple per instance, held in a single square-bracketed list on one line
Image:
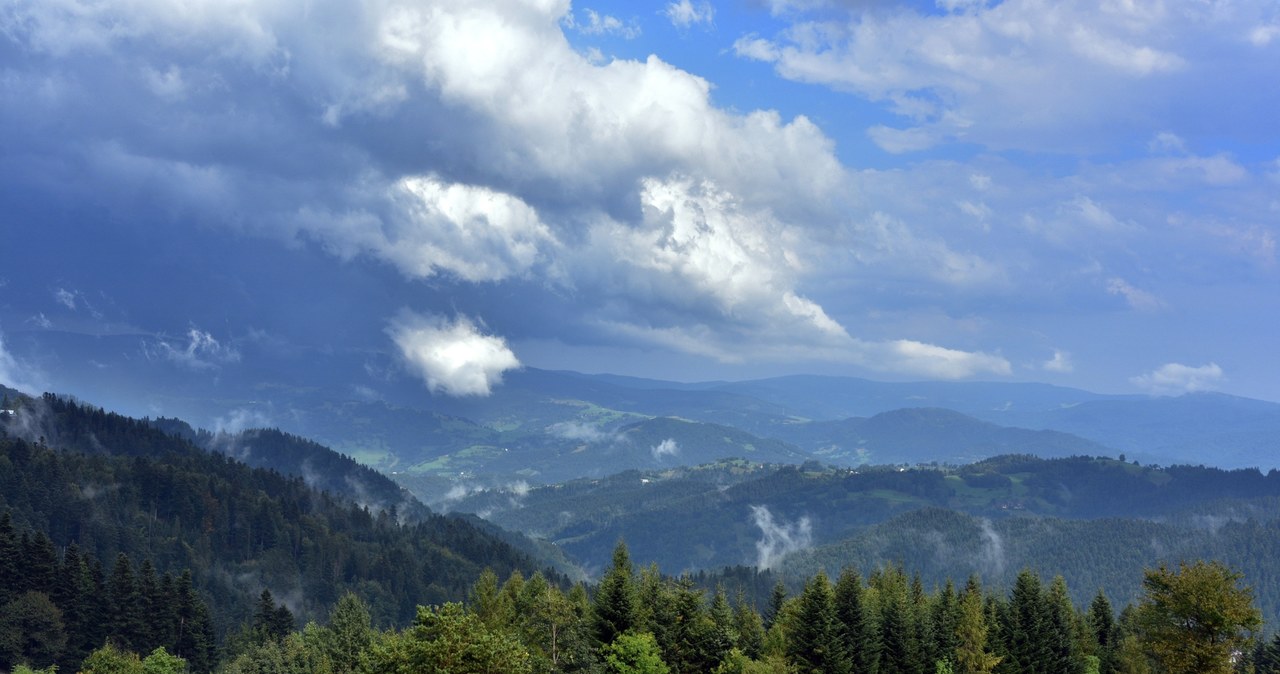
[(741, 513), (115, 485)]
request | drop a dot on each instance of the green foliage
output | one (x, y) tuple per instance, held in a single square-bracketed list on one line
[(1194, 620), (291, 654), (448, 639), (112, 660), (31, 631), (347, 636), (634, 653)]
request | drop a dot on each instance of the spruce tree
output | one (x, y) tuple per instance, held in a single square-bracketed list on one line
[(814, 644), (1101, 623), (971, 654), (126, 627), (855, 629), (10, 556), (1027, 631), (749, 627), (777, 598), (615, 600), (1060, 628)]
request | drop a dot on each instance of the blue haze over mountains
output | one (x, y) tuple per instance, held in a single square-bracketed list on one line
[(546, 426)]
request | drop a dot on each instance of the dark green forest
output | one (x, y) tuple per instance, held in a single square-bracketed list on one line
[(114, 488), (1195, 618)]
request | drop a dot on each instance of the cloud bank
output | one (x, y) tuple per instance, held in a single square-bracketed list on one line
[(462, 142)]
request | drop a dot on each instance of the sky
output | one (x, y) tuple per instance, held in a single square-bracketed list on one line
[(1078, 192)]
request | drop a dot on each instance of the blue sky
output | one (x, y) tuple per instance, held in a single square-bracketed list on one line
[(1083, 193)]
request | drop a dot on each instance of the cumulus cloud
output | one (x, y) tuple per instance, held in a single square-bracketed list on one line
[(668, 447), (778, 538), (202, 351), (1176, 379), (475, 233), (686, 13), (452, 356)]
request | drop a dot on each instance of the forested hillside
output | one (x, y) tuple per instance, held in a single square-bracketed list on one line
[(731, 507), (1196, 618), (112, 485)]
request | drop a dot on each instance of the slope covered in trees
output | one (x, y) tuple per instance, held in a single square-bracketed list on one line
[(1193, 618), (730, 509), (112, 485)]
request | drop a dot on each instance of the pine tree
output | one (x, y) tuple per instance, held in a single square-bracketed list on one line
[(40, 563), (971, 654), (349, 633), (814, 645), (153, 609), (615, 600), (1266, 657), (10, 556), (777, 599), (195, 637), (855, 629), (1102, 627), (1027, 634), (944, 616), (749, 627), (1060, 628), (487, 600), (125, 627)]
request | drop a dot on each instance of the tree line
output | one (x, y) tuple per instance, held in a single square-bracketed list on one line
[(1196, 618)]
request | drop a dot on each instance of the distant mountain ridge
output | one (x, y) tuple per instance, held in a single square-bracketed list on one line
[(543, 426)]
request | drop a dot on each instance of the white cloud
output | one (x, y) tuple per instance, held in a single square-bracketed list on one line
[(686, 13), (66, 298), (1061, 362), (202, 351), (1137, 298), (1176, 378), (930, 360), (452, 357), (475, 233), (1025, 74), (668, 447)]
